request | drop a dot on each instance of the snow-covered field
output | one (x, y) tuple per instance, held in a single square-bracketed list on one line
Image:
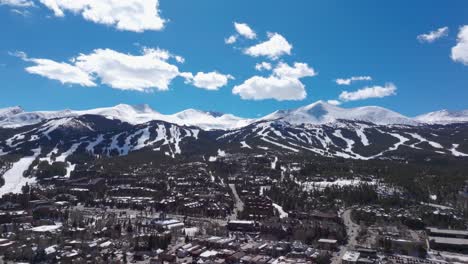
[(340, 182), (14, 179)]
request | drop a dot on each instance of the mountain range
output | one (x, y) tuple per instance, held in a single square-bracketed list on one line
[(317, 113), (32, 143)]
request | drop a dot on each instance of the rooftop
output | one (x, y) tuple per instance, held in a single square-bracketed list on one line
[(351, 256), (436, 230), (449, 240)]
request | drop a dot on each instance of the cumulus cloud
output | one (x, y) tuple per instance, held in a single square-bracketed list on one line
[(334, 102), (283, 84), (17, 3), (208, 81), (130, 15), (263, 66), (245, 30), (61, 71), (179, 59), (460, 51), (299, 70), (149, 70), (273, 48), (260, 88), (434, 35), (231, 39), (348, 81), (369, 92)]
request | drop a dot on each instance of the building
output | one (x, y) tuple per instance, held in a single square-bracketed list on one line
[(167, 224), (436, 232), (328, 244), (241, 225), (350, 257), (447, 239), (448, 244)]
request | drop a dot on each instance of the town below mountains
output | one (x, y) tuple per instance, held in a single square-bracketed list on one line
[(316, 184)]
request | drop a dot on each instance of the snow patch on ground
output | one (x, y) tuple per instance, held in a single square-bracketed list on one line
[(93, 144), (362, 136), (14, 179), (273, 163), (349, 142), (64, 156), (282, 213), (457, 153), (421, 140), (341, 182), (244, 145), (46, 228), (221, 153), (279, 145)]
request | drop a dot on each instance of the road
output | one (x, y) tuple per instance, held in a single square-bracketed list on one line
[(239, 205), (352, 231)]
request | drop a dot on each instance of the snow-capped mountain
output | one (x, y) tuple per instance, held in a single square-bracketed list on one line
[(209, 120), (77, 139), (17, 117), (323, 113), (443, 117), (138, 114), (10, 111), (317, 113)]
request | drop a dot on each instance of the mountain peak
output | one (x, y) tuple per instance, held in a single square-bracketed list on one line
[(443, 116), (322, 112), (4, 112), (319, 112)]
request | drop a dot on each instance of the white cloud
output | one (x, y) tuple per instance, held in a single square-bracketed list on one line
[(334, 102), (150, 70), (348, 81), (460, 51), (263, 66), (61, 71), (131, 15), (260, 88), (17, 3), (369, 92), (21, 12), (244, 30), (283, 84), (209, 80), (434, 35), (179, 59), (273, 48), (144, 72), (299, 70), (64, 72), (231, 39), (129, 72)]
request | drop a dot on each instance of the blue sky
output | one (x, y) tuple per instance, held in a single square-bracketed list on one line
[(330, 39)]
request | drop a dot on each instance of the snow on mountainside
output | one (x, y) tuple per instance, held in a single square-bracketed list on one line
[(323, 113), (138, 114), (10, 111), (444, 117), (210, 120), (30, 118), (317, 113)]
